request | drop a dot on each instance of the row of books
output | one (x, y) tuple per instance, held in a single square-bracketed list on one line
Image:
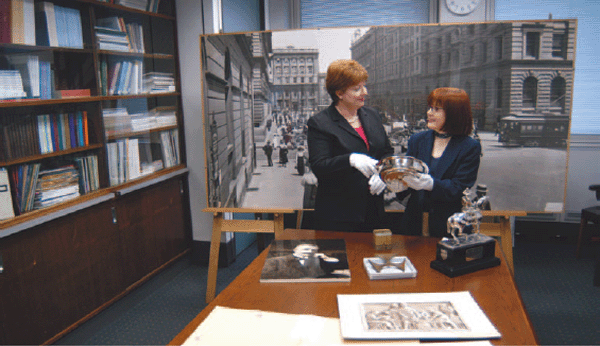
[(131, 158), (58, 26), (123, 77), (113, 33), (35, 188), (118, 121), (26, 135), (17, 22)]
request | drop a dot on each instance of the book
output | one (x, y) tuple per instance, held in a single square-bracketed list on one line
[(306, 260), (5, 22), (6, 204), (17, 22), (46, 31)]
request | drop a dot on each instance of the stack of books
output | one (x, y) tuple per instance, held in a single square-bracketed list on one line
[(159, 82), (28, 66), (114, 34), (56, 186), (117, 121), (11, 85)]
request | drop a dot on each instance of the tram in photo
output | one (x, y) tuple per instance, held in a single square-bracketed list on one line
[(534, 130)]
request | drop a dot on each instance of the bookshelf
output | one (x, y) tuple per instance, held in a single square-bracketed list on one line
[(72, 75), (91, 130)]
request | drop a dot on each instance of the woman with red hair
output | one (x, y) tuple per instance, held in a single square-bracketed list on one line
[(453, 160)]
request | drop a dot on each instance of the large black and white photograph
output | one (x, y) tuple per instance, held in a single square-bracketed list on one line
[(310, 260), (261, 88), (413, 316)]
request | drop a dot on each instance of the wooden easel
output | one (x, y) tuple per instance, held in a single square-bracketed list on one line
[(221, 225)]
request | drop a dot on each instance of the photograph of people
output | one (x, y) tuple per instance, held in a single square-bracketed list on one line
[(345, 143), (453, 160), (304, 263)]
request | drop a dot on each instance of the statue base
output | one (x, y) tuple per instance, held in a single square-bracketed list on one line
[(469, 254)]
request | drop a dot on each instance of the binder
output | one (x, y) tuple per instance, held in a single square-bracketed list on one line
[(6, 205)]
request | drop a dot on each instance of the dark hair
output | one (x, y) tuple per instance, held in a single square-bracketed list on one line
[(342, 74), (457, 106)]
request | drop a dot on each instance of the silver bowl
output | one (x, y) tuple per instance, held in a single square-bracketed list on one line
[(394, 168)]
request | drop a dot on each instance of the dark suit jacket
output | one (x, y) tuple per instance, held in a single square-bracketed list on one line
[(343, 191), (456, 170)]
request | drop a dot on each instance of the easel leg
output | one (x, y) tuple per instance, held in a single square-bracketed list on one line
[(278, 225), (506, 239), (213, 260)]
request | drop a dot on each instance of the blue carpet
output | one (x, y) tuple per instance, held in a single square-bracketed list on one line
[(558, 292)]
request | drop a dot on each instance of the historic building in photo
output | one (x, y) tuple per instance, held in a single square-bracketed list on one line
[(522, 68), (295, 81)]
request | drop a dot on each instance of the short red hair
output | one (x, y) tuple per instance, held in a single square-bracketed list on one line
[(342, 74), (457, 106)]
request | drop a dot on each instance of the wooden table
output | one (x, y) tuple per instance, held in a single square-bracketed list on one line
[(494, 288)]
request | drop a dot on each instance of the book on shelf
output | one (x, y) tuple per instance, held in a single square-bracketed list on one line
[(20, 136), (28, 66), (88, 173), (141, 5), (58, 26), (45, 24), (169, 140), (56, 186), (5, 22), (74, 93), (62, 131), (306, 260), (6, 204), (123, 160), (159, 82), (21, 21), (11, 85), (24, 178)]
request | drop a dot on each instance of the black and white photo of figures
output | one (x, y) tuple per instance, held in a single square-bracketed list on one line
[(425, 317)]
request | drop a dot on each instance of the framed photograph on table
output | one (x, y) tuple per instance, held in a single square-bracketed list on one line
[(454, 315)]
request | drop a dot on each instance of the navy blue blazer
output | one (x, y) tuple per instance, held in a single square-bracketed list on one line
[(456, 170), (343, 191)]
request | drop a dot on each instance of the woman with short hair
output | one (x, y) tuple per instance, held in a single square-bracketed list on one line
[(345, 143), (452, 157)]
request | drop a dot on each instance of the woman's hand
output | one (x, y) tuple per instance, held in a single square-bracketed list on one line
[(376, 185), (364, 163), (419, 181)]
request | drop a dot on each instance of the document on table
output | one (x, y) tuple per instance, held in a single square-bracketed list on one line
[(228, 326)]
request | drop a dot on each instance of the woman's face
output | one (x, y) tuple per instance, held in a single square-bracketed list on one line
[(436, 118), (354, 96)]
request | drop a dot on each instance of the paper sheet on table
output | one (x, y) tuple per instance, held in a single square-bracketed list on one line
[(227, 326)]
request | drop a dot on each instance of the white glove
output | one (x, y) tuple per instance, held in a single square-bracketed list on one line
[(396, 186), (419, 181), (365, 164), (376, 185)]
